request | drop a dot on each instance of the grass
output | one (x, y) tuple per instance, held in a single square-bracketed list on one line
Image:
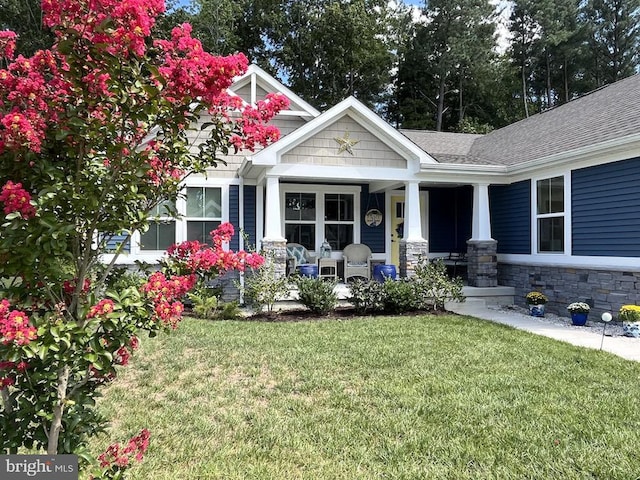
[(428, 397)]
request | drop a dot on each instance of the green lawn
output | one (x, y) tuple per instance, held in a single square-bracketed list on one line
[(428, 397)]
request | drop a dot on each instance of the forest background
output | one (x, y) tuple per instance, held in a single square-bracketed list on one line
[(447, 65)]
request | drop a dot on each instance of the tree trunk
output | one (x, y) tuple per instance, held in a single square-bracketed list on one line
[(460, 102), (524, 91), (440, 105), (566, 82), (58, 410), (548, 60)]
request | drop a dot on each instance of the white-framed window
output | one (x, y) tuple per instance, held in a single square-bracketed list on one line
[(339, 214), (203, 212), (300, 218), (550, 214), (315, 212), (162, 229)]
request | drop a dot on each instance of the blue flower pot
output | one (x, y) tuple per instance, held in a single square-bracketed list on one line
[(631, 329), (308, 270), (536, 310), (579, 319), (380, 272)]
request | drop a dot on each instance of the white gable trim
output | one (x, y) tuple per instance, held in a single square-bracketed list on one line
[(255, 75), (359, 113)]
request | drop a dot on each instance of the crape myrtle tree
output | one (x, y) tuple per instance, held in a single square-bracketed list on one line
[(93, 136)]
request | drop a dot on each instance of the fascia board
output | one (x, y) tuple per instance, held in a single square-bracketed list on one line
[(333, 172), (277, 86), (604, 152), (360, 113)]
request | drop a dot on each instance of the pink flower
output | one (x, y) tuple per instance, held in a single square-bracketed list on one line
[(101, 309), (17, 199), (7, 43)]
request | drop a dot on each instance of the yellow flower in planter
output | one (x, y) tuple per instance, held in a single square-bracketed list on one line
[(629, 313), (536, 298)]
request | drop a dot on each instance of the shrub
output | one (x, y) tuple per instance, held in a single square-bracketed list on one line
[(229, 311), (433, 287), (367, 297), (204, 302), (317, 295), (400, 295), (262, 288)]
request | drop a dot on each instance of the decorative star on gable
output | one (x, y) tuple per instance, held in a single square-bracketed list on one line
[(346, 143)]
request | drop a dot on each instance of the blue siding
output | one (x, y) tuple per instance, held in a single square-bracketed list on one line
[(250, 215), (510, 207), (234, 215), (374, 237), (605, 207), (450, 217), (115, 240)]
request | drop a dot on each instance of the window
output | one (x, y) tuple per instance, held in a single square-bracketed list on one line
[(300, 219), (162, 229), (204, 212), (550, 214), (338, 219), (313, 213)]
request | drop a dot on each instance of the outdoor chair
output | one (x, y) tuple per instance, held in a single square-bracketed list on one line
[(357, 261), (297, 255)]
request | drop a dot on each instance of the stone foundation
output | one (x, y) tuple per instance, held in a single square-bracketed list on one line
[(482, 267), (603, 290), (410, 253), (277, 251)]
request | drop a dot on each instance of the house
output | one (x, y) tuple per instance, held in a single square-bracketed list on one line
[(550, 203)]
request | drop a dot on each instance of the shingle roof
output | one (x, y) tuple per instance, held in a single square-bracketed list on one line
[(605, 114), (446, 147)]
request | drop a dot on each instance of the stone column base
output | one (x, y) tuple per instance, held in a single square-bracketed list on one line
[(410, 253), (482, 270), (276, 251)]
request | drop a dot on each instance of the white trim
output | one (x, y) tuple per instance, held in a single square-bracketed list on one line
[(274, 85), (320, 191), (566, 214), (357, 111), (561, 260), (153, 256), (341, 173)]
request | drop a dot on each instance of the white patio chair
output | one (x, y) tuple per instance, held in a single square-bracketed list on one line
[(357, 261)]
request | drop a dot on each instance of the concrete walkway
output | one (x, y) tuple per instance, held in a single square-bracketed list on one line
[(624, 347)]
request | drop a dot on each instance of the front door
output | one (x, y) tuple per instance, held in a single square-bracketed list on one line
[(397, 224)]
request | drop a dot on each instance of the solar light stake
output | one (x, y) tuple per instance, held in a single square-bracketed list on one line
[(606, 318)]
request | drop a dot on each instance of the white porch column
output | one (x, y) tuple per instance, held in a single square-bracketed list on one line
[(412, 247), (481, 227), (482, 258), (273, 218), (274, 246), (412, 216)]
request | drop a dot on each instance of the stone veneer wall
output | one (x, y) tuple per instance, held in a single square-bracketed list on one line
[(482, 261), (278, 249), (410, 253), (605, 290)]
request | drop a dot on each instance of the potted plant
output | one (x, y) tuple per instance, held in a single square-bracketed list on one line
[(579, 312), (536, 302), (630, 316)]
